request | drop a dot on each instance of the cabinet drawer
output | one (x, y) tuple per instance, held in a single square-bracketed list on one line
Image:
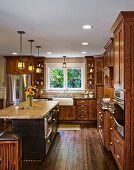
[(82, 108), (82, 102), (82, 116), (119, 155)]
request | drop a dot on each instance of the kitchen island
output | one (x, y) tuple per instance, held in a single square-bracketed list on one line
[(37, 126)]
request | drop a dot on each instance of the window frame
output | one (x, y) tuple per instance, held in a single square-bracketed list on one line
[(69, 66)]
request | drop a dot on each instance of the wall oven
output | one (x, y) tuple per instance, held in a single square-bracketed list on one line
[(119, 111)]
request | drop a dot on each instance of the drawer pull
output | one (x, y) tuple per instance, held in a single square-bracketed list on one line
[(99, 112), (117, 141), (99, 126), (101, 115), (48, 141), (118, 156), (111, 117), (111, 128), (111, 143), (82, 116)]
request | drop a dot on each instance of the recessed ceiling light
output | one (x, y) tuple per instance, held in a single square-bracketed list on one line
[(14, 53), (49, 52), (83, 52), (84, 43), (86, 27)]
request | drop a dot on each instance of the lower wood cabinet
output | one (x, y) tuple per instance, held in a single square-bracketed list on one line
[(67, 113), (81, 110), (86, 109), (109, 136)]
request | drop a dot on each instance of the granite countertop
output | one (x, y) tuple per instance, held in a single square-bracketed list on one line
[(51, 98), (39, 110)]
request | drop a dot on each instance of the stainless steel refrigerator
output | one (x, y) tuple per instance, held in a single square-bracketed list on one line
[(15, 87)]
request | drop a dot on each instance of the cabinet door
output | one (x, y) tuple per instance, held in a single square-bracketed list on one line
[(92, 110), (99, 72), (67, 113), (119, 58)]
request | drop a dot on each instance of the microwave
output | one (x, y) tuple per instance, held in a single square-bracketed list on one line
[(119, 94)]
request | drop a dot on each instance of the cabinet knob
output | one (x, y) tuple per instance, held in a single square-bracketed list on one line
[(111, 117), (54, 119), (117, 141), (82, 116), (111, 128), (101, 115), (111, 143), (48, 141), (99, 126), (118, 156), (99, 112)]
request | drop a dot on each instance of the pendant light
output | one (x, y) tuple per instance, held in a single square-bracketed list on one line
[(64, 63), (21, 64), (31, 67), (38, 67)]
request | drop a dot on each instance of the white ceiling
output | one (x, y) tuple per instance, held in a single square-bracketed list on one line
[(56, 25)]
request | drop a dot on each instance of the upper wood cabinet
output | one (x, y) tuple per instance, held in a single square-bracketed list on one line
[(90, 70), (109, 54), (39, 71), (119, 56), (99, 70), (12, 65)]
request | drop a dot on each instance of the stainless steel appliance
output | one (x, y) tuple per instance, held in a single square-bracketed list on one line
[(15, 85), (50, 127), (119, 111)]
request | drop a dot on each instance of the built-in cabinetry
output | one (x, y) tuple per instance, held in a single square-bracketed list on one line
[(67, 113), (39, 71), (99, 76), (83, 109), (109, 136), (109, 54), (90, 68), (123, 29), (86, 109), (12, 65), (109, 63)]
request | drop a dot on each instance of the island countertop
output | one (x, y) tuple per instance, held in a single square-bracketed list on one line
[(39, 110)]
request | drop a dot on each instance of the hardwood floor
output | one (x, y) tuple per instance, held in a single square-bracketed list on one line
[(76, 150)]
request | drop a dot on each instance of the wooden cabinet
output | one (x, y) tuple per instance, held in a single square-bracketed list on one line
[(12, 65), (67, 113), (86, 109), (39, 71), (109, 54), (99, 76), (123, 29), (119, 56), (90, 68), (100, 122), (103, 124), (92, 112)]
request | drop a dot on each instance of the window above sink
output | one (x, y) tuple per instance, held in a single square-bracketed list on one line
[(71, 78)]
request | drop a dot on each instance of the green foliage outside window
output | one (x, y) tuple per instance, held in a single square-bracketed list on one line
[(74, 78), (56, 78)]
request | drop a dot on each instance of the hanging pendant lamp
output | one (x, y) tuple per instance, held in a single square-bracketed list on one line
[(64, 63), (21, 64), (31, 67), (38, 67)]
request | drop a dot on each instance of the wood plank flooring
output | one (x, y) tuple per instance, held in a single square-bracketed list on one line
[(75, 150)]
